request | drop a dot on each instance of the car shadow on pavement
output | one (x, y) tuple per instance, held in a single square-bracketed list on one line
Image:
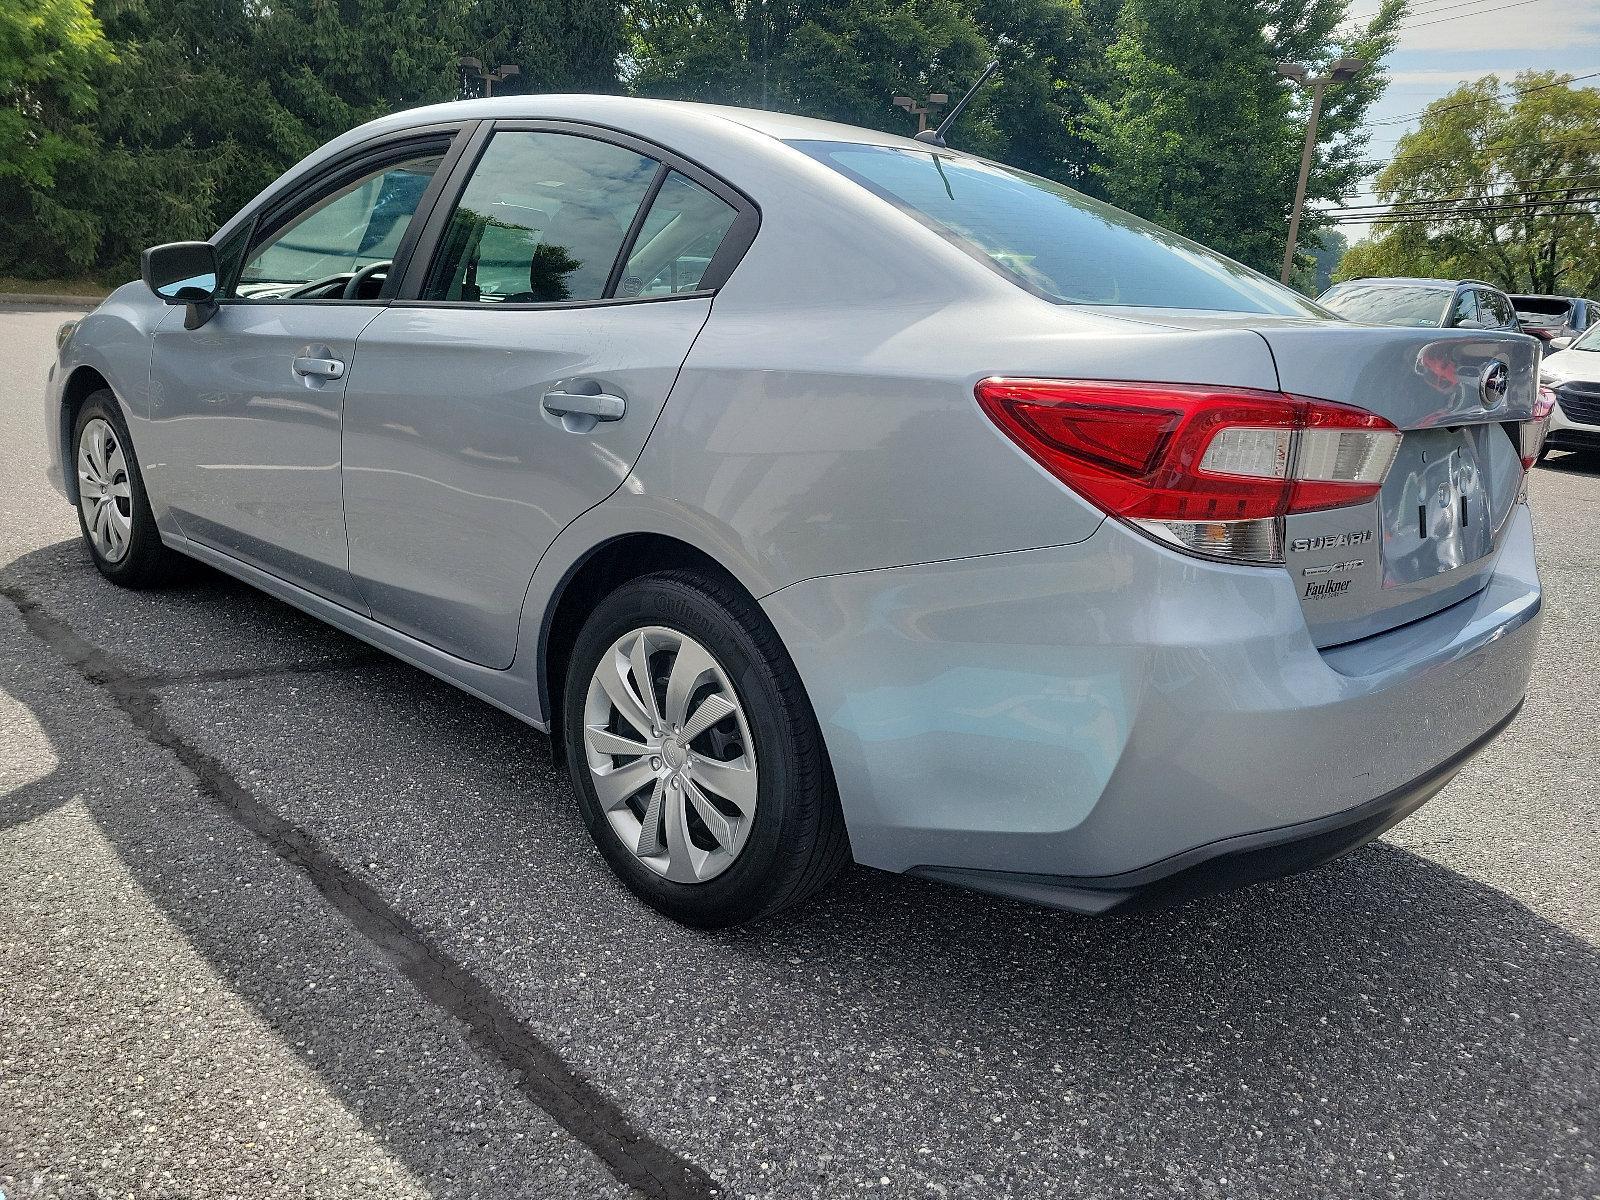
[(1384, 1005)]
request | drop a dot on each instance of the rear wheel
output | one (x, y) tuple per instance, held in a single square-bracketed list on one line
[(698, 764), (113, 512)]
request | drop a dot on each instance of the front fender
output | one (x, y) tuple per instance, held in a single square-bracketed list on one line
[(112, 343)]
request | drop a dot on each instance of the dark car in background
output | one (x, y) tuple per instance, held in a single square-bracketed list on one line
[(1548, 317), (1424, 303)]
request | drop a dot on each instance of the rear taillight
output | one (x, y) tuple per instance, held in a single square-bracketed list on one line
[(1532, 432), (1212, 470)]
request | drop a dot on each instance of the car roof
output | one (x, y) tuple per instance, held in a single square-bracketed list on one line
[(1417, 281), (779, 125)]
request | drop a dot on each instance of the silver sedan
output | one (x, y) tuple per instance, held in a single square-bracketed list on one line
[(828, 494)]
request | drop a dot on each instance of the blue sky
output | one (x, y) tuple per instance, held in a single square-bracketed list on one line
[(1459, 41)]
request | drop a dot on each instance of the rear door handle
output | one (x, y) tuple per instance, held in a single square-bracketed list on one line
[(322, 368), (601, 406)]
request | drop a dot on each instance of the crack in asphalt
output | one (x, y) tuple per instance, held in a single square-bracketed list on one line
[(232, 674), (637, 1161)]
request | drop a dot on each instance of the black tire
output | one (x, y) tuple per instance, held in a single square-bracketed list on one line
[(147, 563), (797, 841)]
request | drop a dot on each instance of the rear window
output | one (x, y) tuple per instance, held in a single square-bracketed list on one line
[(1388, 304), (1542, 310), (1051, 240)]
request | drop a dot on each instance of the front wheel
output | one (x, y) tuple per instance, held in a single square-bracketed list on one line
[(698, 763), (113, 512)]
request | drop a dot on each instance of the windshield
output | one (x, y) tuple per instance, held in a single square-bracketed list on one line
[(1589, 341), (1051, 240), (1387, 304)]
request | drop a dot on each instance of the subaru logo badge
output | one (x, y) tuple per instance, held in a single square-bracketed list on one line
[(1492, 384)]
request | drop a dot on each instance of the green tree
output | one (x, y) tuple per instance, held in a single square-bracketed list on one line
[(49, 53), (206, 104), (846, 60), (560, 45), (1199, 133), (1315, 275), (1497, 187)]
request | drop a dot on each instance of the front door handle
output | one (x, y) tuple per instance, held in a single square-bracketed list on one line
[(322, 368), (601, 406)]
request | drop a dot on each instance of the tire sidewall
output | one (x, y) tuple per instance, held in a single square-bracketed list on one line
[(783, 805)]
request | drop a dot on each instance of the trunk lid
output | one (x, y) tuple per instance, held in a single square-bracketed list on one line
[(1431, 536)]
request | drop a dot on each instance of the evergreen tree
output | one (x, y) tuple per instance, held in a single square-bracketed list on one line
[(846, 60), (560, 45)]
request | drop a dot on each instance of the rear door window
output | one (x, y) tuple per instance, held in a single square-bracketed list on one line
[(1465, 308), (1053, 241), (1495, 310), (680, 236), (541, 220)]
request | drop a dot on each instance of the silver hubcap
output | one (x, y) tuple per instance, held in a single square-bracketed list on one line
[(670, 754), (103, 492)]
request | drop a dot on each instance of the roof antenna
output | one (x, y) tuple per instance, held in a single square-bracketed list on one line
[(935, 137)]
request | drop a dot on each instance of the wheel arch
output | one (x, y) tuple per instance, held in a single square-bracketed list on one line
[(603, 568), (84, 382)]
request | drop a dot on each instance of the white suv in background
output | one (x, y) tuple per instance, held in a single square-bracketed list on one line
[(1572, 372)]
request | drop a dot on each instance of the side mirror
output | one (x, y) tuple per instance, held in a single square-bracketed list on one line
[(184, 273), (1558, 343), (1470, 323)]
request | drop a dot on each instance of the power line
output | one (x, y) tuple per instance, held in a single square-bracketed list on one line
[(1481, 99), (1564, 208), (1351, 22), (1420, 11), (1484, 204), (1462, 16), (1498, 215), (1506, 193), (1430, 9), (1513, 184)]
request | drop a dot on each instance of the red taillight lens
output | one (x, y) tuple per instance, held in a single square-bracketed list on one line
[(1532, 432), (1193, 456)]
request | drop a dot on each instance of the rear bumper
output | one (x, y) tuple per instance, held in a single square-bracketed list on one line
[(1110, 708), (1223, 865)]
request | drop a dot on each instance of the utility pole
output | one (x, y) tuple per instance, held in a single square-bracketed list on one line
[(1341, 70), (935, 101), (472, 72)]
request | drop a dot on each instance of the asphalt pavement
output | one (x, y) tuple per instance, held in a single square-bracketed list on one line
[(280, 916)]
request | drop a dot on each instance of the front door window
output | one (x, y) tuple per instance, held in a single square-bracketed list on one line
[(341, 246)]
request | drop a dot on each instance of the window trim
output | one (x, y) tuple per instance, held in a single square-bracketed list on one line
[(740, 235), (273, 213)]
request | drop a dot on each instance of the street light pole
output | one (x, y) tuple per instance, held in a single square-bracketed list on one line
[(472, 69), (935, 101), (1339, 71)]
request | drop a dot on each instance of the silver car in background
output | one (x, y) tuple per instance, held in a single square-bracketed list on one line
[(830, 495)]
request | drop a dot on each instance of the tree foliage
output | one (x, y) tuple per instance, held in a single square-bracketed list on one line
[(50, 51), (1199, 133), (1498, 184), (184, 109), (845, 60)]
